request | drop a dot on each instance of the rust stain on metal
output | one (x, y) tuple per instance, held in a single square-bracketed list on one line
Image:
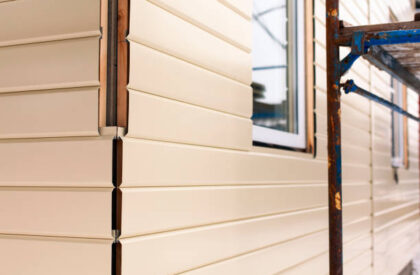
[(333, 13), (338, 201)]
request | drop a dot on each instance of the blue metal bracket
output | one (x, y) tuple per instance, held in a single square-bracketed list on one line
[(358, 48), (358, 43), (393, 37), (347, 62), (350, 87)]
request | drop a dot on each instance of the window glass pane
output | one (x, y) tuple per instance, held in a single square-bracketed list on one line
[(274, 101), (397, 126)]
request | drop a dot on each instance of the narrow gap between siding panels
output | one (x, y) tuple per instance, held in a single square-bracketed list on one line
[(111, 97), (116, 204), (116, 110)]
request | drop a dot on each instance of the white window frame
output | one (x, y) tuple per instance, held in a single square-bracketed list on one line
[(281, 138)]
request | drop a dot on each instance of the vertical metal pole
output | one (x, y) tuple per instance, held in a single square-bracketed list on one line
[(334, 140)]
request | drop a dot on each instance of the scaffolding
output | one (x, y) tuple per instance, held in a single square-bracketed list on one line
[(370, 42)]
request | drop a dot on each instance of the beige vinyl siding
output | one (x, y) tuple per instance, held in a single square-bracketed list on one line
[(191, 197), (56, 212), (48, 20), (191, 248), (195, 165), (203, 49), (243, 8), (192, 206), (51, 256), (196, 196), (396, 205), (235, 30), (56, 172), (50, 65), (198, 202), (186, 83), (185, 123), (49, 113), (76, 162)]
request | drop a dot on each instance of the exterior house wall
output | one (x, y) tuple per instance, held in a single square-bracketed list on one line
[(396, 206), (196, 196), (225, 206), (55, 167)]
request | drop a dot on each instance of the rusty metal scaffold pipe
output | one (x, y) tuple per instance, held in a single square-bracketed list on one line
[(334, 140)]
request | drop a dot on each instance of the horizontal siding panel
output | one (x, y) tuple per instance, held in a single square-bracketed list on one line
[(316, 265), (409, 174), (356, 173), (41, 20), (357, 247), (358, 264), (394, 260), (382, 145), (350, 115), (49, 114), (319, 34), (406, 232), (271, 260), (56, 162), (356, 211), (203, 13), (385, 189), (186, 82), (356, 192), (187, 249), (319, 264), (56, 212), (351, 101), (321, 147), (351, 154), (157, 118), (319, 11), (52, 256), (285, 255), (381, 175), (355, 154), (382, 159), (244, 8), (49, 65), (350, 134), (395, 200), (320, 54), (320, 78), (356, 229), (144, 212), (395, 263), (388, 217), (165, 164), (394, 229), (155, 27)]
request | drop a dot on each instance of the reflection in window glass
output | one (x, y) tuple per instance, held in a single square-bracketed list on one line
[(278, 72), (270, 65), (271, 99), (397, 126)]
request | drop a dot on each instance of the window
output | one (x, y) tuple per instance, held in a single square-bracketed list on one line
[(279, 73), (399, 126)]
